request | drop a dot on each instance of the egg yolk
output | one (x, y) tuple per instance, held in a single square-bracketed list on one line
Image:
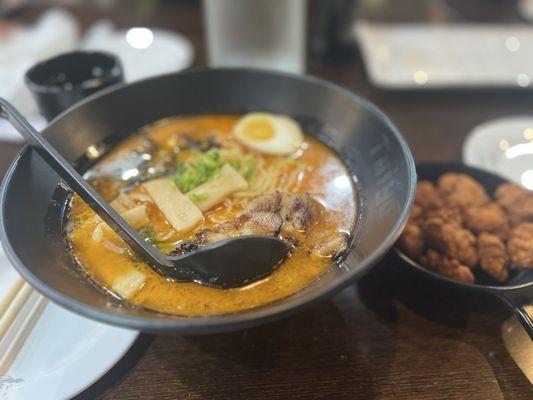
[(259, 129)]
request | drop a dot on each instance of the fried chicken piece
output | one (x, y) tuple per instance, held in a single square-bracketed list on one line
[(416, 213), (446, 266), (427, 195), (509, 194), (451, 240), (488, 218), (493, 256), (412, 240), (520, 245), (462, 191), (332, 246), (450, 215), (526, 210), (517, 201)]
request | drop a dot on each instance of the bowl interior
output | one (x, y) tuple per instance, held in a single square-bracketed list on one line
[(490, 181), (371, 147)]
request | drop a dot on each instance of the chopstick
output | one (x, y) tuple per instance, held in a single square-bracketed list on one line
[(19, 311), (22, 331), (11, 293), (13, 308)]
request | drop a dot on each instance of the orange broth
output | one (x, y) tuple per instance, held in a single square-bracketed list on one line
[(314, 169)]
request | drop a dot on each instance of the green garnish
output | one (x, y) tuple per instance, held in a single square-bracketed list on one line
[(248, 175), (193, 174), (190, 175), (198, 196)]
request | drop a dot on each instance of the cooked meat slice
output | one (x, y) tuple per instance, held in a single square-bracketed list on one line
[(332, 246), (427, 196), (461, 191), (267, 202), (493, 256), (412, 240), (267, 215), (259, 223), (298, 212), (446, 266), (451, 240), (520, 245), (488, 218)]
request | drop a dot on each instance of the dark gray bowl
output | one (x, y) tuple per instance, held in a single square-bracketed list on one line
[(372, 148)]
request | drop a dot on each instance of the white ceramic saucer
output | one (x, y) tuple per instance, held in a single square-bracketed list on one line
[(144, 52), (504, 146), (63, 355)]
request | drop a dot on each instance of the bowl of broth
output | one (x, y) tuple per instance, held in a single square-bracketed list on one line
[(192, 158)]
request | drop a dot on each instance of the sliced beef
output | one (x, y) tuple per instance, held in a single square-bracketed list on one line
[(298, 212), (267, 202), (259, 223), (270, 215)]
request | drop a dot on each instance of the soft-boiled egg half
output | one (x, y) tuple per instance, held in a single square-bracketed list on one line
[(269, 133)]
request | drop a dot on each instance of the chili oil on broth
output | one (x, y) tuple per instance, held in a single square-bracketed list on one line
[(314, 169)]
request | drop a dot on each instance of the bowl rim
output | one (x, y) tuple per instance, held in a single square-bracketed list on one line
[(223, 322)]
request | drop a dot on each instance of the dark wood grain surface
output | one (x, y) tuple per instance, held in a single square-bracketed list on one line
[(389, 336)]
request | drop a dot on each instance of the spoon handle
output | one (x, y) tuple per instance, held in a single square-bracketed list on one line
[(81, 186)]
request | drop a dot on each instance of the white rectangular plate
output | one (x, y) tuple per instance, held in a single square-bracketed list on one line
[(426, 56)]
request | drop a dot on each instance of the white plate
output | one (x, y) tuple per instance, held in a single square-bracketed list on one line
[(428, 56), (144, 52), (63, 355), (505, 146)]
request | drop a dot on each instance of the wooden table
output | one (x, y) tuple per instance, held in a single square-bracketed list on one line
[(385, 337)]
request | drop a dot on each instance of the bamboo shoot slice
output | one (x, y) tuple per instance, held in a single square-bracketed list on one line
[(128, 284), (178, 209), (211, 193), (137, 217), (122, 203)]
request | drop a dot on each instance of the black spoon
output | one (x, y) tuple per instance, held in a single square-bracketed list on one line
[(227, 263)]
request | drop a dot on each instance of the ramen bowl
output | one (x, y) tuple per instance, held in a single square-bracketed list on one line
[(34, 200)]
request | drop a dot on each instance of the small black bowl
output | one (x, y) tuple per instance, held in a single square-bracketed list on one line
[(62, 81), (517, 291)]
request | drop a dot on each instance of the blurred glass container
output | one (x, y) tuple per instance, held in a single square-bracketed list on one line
[(267, 34)]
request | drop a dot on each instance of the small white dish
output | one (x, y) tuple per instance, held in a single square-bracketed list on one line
[(505, 146), (143, 51), (63, 355)]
